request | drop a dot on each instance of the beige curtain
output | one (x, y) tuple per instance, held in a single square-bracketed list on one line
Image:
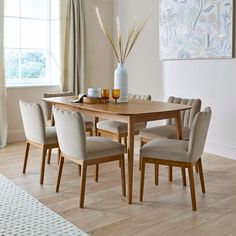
[(3, 110), (72, 46)]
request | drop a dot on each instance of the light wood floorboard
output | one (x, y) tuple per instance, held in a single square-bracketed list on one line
[(166, 209)]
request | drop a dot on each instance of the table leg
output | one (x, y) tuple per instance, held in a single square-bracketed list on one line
[(95, 120), (179, 132), (130, 157)]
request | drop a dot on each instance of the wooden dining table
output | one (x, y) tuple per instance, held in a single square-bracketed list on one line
[(132, 112)]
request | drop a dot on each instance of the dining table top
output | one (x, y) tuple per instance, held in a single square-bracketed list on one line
[(133, 107)]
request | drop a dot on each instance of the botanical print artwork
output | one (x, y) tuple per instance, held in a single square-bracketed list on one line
[(192, 29)]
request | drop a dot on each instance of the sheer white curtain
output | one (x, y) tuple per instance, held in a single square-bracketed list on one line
[(72, 46), (3, 110)]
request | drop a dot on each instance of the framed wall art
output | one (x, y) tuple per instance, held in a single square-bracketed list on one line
[(195, 29)]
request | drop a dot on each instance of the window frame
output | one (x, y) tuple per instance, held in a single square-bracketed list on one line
[(47, 80)]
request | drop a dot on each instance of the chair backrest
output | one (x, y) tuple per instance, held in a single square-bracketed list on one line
[(198, 134), (188, 115), (33, 121), (70, 133), (48, 106), (140, 97)]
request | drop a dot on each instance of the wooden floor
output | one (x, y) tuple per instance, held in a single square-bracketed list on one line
[(166, 209)]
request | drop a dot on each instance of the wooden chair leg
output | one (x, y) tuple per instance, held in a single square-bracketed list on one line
[(139, 164), (43, 165), (184, 176), (27, 146), (90, 132), (83, 183), (125, 143), (49, 155), (170, 173), (59, 173), (142, 179), (122, 169), (192, 188), (197, 167), (58, 155), (96, 172), (120, 141), (201, 175), (156, 168), (141, 144), (79, 170)]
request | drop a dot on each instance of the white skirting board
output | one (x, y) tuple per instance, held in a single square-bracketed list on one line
[(221, 150), (15, 136)]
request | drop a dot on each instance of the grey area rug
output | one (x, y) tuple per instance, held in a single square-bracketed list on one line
[(22, 214)]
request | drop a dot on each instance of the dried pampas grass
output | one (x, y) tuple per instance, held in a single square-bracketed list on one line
[(134, 32)]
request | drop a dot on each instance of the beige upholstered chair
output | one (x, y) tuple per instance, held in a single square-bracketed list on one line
[(48, 106), (179, 153), (37, 133), (48, 110), (169, 129), (49, 115), (84, 151), (120, 129)]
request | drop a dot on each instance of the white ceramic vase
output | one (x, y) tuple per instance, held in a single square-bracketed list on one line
[(121, 82)]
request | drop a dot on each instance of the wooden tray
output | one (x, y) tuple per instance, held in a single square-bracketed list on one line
[(93, 100)]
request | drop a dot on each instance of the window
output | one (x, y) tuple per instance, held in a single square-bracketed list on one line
[(31, 41)]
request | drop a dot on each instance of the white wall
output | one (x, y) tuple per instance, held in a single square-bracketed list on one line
[(213, 81)]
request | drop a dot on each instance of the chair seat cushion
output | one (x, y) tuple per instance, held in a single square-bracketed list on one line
[(51, 135), (118, 127), (98, 147), (165, 131), (166, 149)]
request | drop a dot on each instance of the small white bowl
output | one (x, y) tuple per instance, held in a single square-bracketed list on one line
[(94, 92)]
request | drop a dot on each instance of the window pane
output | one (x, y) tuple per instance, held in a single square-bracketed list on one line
[(12, 63), (34, 8), (12, 8), (11, 33), (33, 34), (33, 64), (55, 45), (31, 41), (55, 12)]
